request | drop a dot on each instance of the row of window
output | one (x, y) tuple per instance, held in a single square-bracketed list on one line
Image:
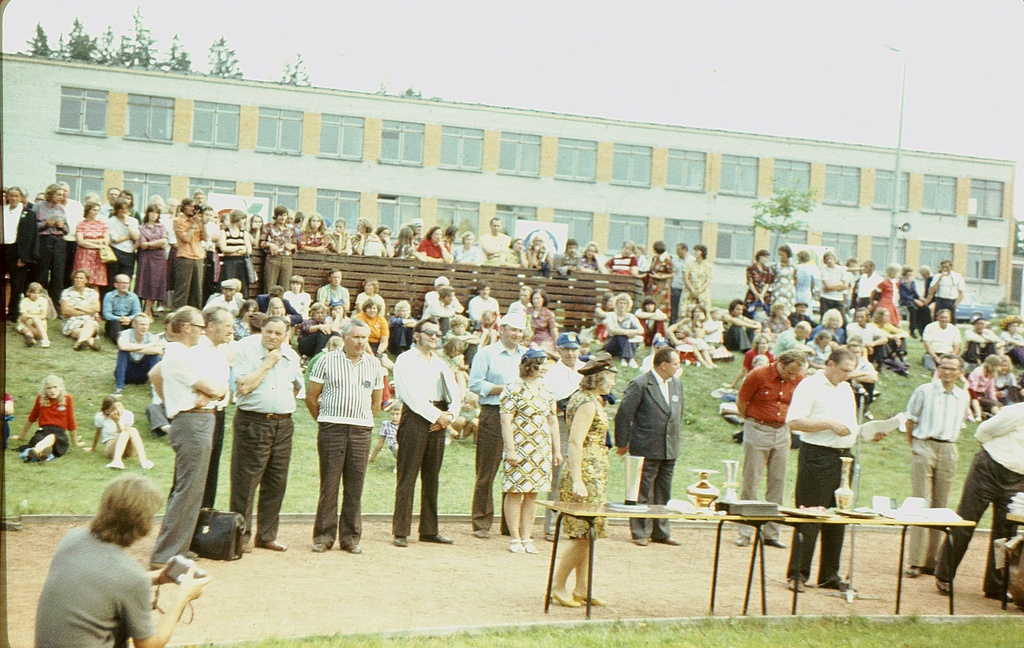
[(341, 137), (735, 242)]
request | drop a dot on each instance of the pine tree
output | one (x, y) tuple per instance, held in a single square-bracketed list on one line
[(62, 49), (81, 46), (39, 45), (124, 52), (178, 59), (295, 72), (223, 62), (106, 54), (140, 49)]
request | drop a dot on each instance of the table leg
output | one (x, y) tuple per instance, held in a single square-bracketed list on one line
[(590, 566), (551, 569), (899, 567), (949, 565), (764, 596), (1012, 532), (797, 547), (750, 571), (714, 571)]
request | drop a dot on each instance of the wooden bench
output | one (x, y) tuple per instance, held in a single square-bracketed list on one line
[(571, 299)]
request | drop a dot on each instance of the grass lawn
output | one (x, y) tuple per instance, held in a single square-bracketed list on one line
[(73, 483), (711, 634)]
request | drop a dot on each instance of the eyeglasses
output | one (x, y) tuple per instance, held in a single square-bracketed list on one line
[(434, 333)]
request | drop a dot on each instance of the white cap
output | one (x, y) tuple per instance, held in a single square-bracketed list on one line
[(515, 320), (441, 281)]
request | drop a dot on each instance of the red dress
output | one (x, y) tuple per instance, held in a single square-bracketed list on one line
[(89, 260), (887, 290)]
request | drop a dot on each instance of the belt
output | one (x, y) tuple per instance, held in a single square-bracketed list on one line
[(196, 410), (270, 417), (936, 440), (774, 426)]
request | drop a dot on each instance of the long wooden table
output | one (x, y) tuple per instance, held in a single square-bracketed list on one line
[(591, 512)]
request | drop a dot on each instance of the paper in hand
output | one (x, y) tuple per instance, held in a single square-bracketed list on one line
[(876, 430)]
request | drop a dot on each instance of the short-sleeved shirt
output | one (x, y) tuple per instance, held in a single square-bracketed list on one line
[(941, 340), (107, 426), (348, 387), (183, 367), (95, 594), (817, 398), (430, 248), (276, 392), (767, 395), (119, 230), (938, 414)]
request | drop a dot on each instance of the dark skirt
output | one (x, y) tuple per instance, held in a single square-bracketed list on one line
[(233, 267), (60, 444), (152, 280)]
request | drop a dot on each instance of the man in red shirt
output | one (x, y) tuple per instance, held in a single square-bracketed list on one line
[(763, 402)]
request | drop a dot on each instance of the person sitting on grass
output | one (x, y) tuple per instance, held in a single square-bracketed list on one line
[(389, 432), (55, 412), (32, 313), (79, 305), (229, 297), (624, 331), (453, 353), (299, 299), (115, 427), (138, 351), (821, 345), (372, 316), (652, 319), (315, 331), (400, 329), (981, 385)]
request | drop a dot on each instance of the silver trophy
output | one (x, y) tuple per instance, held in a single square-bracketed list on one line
[(634, 469), (731, 472)]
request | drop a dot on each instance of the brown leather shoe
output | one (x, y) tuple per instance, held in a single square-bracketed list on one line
[(273, 545)]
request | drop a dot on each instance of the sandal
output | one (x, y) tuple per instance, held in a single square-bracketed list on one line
[(516, 547), (529, 548), (594, 601)]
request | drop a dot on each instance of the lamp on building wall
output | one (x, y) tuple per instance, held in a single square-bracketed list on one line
[(894, 193)]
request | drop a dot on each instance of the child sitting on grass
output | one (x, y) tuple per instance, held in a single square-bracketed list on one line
[(55, 412), (33, 309), (115, 427)]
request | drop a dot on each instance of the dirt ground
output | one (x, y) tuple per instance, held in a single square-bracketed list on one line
[(475, 582)]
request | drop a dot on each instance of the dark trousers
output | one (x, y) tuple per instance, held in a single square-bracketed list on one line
[(620, 347), (420, 452), (188, 282), (260, 453), (314, 343), (70, 249), (987, 482), (945, 304), (819, 473), (655, 488), (676, 294), (125, 265), (113, 329), (343, 450), (217, 445), (488, 460), (18, 275), (190, 439), (129, 372), (825, 305), (920, 317), (50, 271)]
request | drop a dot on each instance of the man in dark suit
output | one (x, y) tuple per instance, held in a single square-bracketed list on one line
[(647, 425)]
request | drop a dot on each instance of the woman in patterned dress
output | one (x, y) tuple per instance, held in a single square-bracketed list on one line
[(151, 284), (658, 280), (696, 279), (784, 282), (529, 430), (759, 280), (79, 306), (91, 234), (586, 477), (542, 321)]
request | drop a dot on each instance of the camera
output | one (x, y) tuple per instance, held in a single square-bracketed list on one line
[(179, 566)]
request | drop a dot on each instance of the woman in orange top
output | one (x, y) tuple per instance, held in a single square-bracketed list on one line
[(55, 414), (379, 331)]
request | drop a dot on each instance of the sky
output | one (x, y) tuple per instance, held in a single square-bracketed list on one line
[(817, 70)]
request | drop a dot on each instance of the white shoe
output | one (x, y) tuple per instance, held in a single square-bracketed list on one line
[(45, 344), (516, 547), (118, 465), (529, 548), (632, 363), (20, 328), (625, 364), (146, 465)]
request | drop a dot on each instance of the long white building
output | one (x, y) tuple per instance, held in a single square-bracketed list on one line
[(388, 159)]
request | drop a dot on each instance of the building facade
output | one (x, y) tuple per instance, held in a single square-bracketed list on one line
[(388, 159)]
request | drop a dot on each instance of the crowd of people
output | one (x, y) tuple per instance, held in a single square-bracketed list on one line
[(484, 372)]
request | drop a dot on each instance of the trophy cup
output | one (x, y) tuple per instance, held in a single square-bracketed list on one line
[(703, 493), (634, 469), (730, 485)]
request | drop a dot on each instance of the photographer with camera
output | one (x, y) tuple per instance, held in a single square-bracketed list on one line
[(96, 593)]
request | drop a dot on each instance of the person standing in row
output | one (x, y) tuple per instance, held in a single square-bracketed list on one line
[(53, 225), (647, 425), (343, 395), (430, 402), (268, 377), (563, 379), (188, 266), (220, 328)]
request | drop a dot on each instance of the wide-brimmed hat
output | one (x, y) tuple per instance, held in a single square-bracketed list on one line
[(598, 362)]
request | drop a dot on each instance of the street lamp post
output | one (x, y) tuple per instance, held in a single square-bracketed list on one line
[(894, 227)]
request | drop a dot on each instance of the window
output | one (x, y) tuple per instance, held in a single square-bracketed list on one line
[(150, 118), (401, 143), (278, 195), (462, 148), (843, 245), (280, 131), (686, 170), (215, 124), (81, 181), (735, 244), (626, 228), (580, 223), (83, 111), (983, 263), (341, 137), (146, 185), (520, 154), (796, 237), (208, 186), (682, 231), (880, 246), (335, 205), (792, 175), (739, 176), (509, 214), (395, 211), (883, 190), (842, 185), (933, 253), (577, 160), (988, 198), (939, 195), (631, 165), (464, 215)]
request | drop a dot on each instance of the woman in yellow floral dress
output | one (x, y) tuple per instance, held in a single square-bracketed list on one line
[(586, 479)]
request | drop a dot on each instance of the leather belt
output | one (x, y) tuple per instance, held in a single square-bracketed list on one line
[(938, 440), (197, 410), (774, 426), (270, 417)]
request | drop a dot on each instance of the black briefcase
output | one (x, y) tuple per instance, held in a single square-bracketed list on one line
[(218, 535)]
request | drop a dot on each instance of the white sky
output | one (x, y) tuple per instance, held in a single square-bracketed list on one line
[(781, 67)]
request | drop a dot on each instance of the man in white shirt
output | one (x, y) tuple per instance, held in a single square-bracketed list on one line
[(995, 476), (866, 284), (563, 379), (939, 337), (220, 329), (430, 402), (188, 382), (494, 244), (108, 207), (948, 287), (74, 212), (835, 282)]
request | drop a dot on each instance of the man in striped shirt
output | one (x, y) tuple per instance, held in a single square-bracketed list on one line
[(344, 395)]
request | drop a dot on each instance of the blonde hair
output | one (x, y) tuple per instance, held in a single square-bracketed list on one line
[(52, 379)]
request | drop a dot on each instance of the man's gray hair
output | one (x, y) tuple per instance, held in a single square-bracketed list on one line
[(351, 324)]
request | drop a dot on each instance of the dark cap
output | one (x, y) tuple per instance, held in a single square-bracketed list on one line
[(568, 341), (598, 362)]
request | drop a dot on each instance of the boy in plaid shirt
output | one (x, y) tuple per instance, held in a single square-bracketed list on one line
[(389, 431)]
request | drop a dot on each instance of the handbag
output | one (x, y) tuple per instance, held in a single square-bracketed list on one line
[(250, 270), (107, 254), (218, 535)]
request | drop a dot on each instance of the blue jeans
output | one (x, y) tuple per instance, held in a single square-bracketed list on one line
[(129, 372)]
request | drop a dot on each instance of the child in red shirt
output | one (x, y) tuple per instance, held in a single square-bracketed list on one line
[(55, 413)]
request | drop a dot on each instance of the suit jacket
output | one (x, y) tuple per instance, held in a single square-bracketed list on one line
[(28, 237), (645, 423)]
